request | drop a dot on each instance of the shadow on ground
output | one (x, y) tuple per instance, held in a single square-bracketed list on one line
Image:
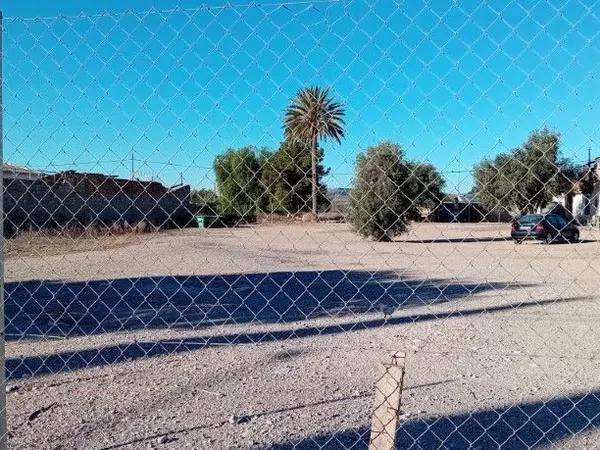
[(482, 239), (112, 354), (454, 240), (67, 309), (71, 309), (529, 425)]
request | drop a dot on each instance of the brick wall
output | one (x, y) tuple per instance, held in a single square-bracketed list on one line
[(76, 199)]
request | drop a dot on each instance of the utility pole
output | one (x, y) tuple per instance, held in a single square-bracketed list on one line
[(459, 172)]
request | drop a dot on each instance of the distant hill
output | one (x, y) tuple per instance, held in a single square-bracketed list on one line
[(338, 199)]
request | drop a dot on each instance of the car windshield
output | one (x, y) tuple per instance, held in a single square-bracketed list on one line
[(530, 219)]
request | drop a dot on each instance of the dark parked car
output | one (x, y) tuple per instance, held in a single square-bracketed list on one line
[(544, 227)]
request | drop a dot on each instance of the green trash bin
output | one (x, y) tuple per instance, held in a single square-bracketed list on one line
[(202, 221), (206, 221)]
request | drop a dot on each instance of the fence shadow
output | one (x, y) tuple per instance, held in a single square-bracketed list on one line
[(470, 240), (464, 240), (67, 309), (112, 354), (528, 425)]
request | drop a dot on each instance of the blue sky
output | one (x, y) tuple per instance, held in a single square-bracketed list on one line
[(89, 84)]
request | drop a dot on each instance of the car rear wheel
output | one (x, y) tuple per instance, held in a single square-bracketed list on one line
[(549, 238), (518, 241), (575, 237)]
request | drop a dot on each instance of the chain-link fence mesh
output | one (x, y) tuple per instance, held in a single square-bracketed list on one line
[(220, 221)]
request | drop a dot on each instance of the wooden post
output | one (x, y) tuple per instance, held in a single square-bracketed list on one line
[(386, 409)]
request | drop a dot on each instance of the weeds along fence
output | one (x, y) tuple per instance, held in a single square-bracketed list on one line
[(328, 183)]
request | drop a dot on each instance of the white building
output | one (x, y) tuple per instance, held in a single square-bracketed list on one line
[(583, 203)]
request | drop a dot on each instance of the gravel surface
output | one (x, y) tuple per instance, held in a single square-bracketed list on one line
[(270, 337)]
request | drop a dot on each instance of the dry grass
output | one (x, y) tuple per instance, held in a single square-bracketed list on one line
[(77, 239)]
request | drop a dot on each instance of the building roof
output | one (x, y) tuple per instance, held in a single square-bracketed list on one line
[(15, 170)]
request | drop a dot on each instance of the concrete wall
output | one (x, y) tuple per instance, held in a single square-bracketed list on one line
[(73, 199), (579, 204)]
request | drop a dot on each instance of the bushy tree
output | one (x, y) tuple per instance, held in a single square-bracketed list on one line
[(205, 200), (286, 175), (424, 185), (238, 174), (526, 178), (536, 169), (379, 207), (570, 176), (494, 182), (586, 179)]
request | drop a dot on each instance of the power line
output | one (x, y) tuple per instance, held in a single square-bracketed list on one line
[(186, 10)]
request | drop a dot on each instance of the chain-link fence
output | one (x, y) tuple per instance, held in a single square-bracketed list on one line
[(221, 222)]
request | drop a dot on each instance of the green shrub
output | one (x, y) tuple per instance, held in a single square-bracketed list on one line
[(286, 175), (378, 208), (388, 190), (205, 201), (526, 178), (238, 174)]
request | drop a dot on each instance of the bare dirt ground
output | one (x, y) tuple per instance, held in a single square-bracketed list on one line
[(158, 341)]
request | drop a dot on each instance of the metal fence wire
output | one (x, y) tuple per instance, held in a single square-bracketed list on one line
[(221, 223)]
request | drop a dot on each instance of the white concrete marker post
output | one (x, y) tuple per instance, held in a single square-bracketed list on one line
[(386, 409)]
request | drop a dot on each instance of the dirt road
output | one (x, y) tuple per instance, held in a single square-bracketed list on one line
[(269, 337)]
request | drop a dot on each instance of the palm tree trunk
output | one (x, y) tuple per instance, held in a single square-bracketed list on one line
[(313, 154)]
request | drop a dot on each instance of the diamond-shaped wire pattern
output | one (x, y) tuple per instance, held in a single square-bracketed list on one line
[(220, 221)]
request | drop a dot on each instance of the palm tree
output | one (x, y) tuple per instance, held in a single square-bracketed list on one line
[(311, 116)]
